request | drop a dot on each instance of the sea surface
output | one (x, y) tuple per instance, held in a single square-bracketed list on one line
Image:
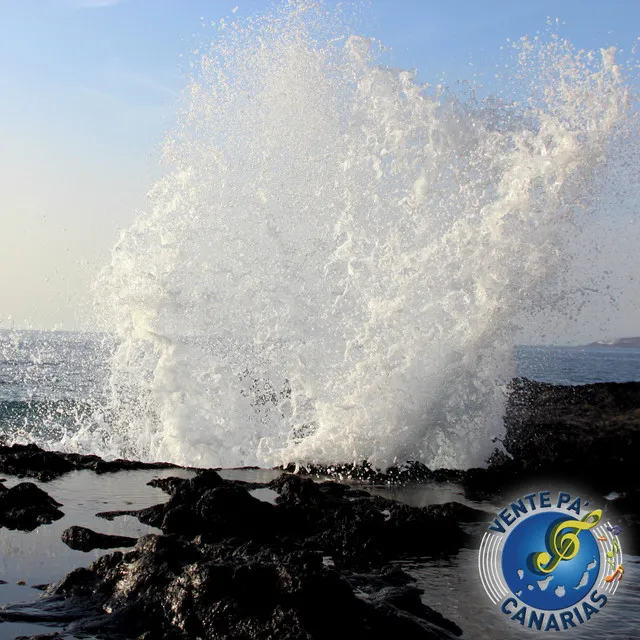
[(49, 382), (50, 365), (578, 365)]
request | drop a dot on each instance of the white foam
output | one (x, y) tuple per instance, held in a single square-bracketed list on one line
[(333, 268)]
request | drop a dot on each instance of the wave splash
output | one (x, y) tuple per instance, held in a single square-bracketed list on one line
[(334, 267)]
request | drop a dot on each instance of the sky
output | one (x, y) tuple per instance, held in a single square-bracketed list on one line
[(89, 88)]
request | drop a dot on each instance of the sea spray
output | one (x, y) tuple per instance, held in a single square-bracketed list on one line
[(333, 268)]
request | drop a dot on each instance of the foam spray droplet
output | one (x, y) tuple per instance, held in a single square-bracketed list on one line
[(332, 269)]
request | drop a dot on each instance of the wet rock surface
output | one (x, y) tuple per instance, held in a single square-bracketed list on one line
[(586, 434), (25, 507), (355, 528), (589, 432), (566, 431), (30, 461), (586, 437), (169, 587), (83, 539), (316, 564)]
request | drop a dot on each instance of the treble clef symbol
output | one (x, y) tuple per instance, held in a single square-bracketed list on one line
[(564, 546)]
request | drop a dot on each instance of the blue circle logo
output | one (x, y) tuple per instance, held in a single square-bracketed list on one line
[(563, 583), (550, 561)]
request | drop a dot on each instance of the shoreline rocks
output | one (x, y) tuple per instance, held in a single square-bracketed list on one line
[(25, 507), (316, 561), (314, 564), (30, 461), (590, 432), (586, 433), (356, 529), (83, 539), (169, 587)]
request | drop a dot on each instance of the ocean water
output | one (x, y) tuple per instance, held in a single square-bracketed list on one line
[(55, 384), (578, 365)]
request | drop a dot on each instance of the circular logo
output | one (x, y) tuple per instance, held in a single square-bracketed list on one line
[(550, 562)]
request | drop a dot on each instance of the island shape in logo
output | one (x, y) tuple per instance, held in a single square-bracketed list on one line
[(550, 561)]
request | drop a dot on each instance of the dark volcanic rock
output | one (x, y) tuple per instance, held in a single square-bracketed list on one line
[(29, 460), (231, 566), (586, 435), (206, 503), (25, 507), (411, 471), (168, 485), (356, 529), (316, 563), (83, 539), (98, 465), (112, 515), (359, 530), (168, 587)]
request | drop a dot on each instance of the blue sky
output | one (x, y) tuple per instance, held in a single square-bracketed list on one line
[(89, 87)]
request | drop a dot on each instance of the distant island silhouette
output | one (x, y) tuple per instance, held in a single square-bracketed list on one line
[(618, 342)]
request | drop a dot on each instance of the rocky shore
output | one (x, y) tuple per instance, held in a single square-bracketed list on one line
[(587, 436), (311, 558), (292, 558)]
